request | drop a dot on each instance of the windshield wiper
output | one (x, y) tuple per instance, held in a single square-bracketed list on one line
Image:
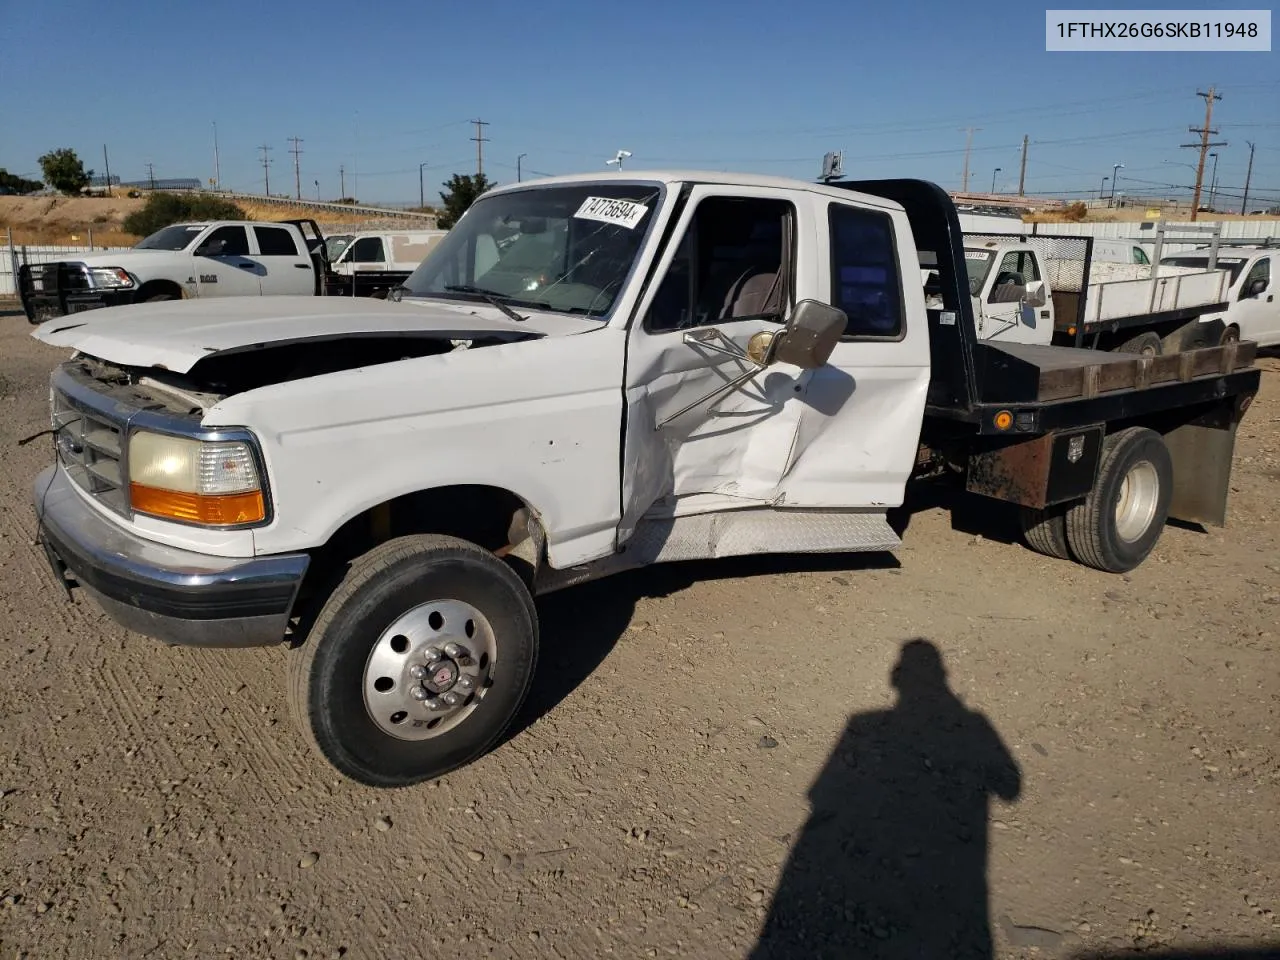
[(486, 295)]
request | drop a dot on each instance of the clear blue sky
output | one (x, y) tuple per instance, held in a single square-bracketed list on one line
[(749, 85)]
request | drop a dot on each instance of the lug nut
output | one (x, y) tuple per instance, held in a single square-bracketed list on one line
[(417, 671), (434, 704), (432, 654), (453, 650), (451, 698), (418, 693), (465, 683)]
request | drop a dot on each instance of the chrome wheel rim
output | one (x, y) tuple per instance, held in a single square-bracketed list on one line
[(1136, 501), (429, 670)]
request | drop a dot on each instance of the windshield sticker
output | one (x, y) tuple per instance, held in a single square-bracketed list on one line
[(623, 213), (977, 254)]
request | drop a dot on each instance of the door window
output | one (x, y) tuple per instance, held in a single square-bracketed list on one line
[(1017, 269), (275, 242), (732, 263), (367, 250), (1259, 271), (865, 283), (226, 242)]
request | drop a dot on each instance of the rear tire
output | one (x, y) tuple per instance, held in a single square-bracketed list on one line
[(157, 297), (357, 688), (1230, 335), (1117, 524), (1147, 344), (1045, 531)]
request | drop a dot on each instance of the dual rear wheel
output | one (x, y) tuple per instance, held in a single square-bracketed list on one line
[(1116, 526)]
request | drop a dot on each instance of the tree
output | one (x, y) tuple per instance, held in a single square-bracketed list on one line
[(163, 209), (464, 188), (12, 183), (64, 171)]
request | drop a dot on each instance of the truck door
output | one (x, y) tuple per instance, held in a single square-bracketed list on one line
[(1255, 310), (1006, 314), (286, 269), (703, 431), (223, 266), (727, 275)]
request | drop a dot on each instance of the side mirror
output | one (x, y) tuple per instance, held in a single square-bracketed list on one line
[(1258, 286), (1035, 295), (810, 335)]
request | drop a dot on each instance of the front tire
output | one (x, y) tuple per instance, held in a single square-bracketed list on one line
[(417, 663), (1118, 523)]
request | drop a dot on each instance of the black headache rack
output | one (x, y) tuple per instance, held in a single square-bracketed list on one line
[(1008, 389), (1027, 422), (60, 288)]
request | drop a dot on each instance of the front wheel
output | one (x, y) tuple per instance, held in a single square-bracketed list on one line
[(1118, 523), (417, 663)]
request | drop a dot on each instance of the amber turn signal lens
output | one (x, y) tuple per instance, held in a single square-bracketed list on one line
[(1004, 420), (224, 510)]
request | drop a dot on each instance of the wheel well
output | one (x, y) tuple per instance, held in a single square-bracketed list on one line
[(489, 517), (152, 287)]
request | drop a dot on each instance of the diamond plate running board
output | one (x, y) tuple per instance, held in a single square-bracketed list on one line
[(733, 533)]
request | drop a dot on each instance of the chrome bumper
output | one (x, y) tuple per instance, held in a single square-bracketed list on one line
[(173, 595)]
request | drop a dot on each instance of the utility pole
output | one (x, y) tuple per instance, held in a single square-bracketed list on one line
[(968, 145), (1022, 177), (1213, 183), (217, 174), (342, 180), (1247, 176), (266, 174), (151, 175), (480, 139), (297, 172), (518, 171), (422, 196), (106, 163), (1204, 143)]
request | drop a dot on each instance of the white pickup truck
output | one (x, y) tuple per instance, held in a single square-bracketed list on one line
[(223, 258), (371, 262), (588, 374), (1046, 289)]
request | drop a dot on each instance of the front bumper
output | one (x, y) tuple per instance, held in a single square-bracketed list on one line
[(173, 595), (46, 296)]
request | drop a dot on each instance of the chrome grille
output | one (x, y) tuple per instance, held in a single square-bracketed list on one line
[(90, 447)]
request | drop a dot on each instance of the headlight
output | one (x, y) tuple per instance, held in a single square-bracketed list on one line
[(109, 278), (199, 481)]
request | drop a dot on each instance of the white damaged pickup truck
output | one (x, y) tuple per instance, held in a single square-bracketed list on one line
[(587, 374)]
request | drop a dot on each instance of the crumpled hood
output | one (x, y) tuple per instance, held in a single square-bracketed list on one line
[(175, 335)]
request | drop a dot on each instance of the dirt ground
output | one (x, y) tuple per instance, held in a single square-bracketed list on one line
[(707, 747)]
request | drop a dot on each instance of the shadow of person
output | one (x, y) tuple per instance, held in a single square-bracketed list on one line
[(892, 861)]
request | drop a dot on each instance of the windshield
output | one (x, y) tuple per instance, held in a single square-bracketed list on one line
[(335, 245), (977, 263), (177, 237), (565, 249), (1233, 264)]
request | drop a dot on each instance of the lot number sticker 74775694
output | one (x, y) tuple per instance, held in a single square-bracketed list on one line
[(623, 213)]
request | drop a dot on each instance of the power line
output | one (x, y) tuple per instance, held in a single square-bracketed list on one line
[(266, 176), (1204, 143), (968, 146), (297, 175), (1244, 202), (480, 139)]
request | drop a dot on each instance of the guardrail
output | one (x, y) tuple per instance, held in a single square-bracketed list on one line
[(322, 205)]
